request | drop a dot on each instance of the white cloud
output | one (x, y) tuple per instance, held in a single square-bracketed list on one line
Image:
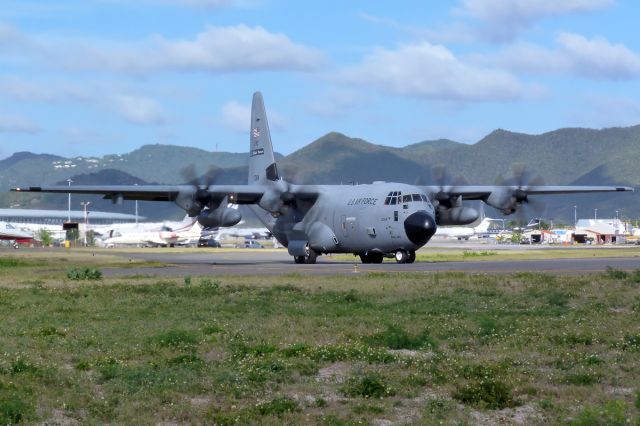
[(598, 58), (216, 49), (24, 90), (139, 109), (504, 19), (236, 116), (17, 124), (574, 54), (432, 71)]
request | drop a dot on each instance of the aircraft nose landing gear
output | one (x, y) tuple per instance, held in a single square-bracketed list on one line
[(403, 256)]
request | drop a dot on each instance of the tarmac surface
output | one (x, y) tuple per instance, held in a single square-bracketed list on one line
[(272, 262)]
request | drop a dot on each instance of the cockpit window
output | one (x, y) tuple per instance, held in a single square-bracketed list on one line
[(406, 199), (394, 197), (424, 198)]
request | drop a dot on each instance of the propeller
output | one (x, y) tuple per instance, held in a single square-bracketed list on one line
[(280, 197), (446, 184), (517, 200), (197, 197)]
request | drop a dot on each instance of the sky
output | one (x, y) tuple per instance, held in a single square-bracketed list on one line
[(82, 77)]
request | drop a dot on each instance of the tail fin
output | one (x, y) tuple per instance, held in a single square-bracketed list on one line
[(483, 226), (262, 164)]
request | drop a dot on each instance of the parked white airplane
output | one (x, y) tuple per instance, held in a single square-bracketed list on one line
[(237, 232), (11, 233), (465, 232), (187, 232)]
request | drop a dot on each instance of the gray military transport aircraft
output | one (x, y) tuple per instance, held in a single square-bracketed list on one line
[(373, 221)]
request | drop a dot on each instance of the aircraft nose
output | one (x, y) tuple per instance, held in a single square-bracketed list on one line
[(420, 227)]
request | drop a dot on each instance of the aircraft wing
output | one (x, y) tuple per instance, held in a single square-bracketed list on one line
[(241, 194), (481, 192)]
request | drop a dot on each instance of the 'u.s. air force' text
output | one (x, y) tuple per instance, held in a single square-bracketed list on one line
[(361, 201)]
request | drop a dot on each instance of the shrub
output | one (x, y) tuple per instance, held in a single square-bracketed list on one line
[(491, 394), (278, 406), (13, 409), (78, 274), (368, 385)]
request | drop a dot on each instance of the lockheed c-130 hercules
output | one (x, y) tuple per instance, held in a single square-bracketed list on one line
[(371, 221)]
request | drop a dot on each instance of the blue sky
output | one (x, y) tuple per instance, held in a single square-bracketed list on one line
[(100, 77)]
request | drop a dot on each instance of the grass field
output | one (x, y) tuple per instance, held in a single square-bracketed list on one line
[(412, 348)]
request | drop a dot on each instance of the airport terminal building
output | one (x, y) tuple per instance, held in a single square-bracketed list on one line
[(58, 217)]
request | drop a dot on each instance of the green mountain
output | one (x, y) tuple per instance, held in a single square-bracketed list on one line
[(562, 157)]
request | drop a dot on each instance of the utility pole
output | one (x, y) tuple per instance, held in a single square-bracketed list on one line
[(575, 216), (86, 220), (136, 209), (595, 214), (69, 211)]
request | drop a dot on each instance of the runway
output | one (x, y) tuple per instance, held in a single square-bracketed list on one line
[(259, 262)]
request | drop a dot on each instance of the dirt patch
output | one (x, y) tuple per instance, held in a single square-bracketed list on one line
[(525, 414), (59, 418), (334, 373), (215, 355), (200, 401)]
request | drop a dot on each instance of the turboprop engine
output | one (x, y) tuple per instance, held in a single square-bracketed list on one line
[(456, 216), (222, 216)]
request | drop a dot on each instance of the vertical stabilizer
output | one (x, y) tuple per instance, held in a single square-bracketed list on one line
[(262, 164)]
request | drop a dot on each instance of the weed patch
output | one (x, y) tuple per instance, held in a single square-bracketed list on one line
[(278, 407), (367, 385), (491, 394), (13, 407), (78, 274), (613, 413), (395, 337), (469, 253), (615, 274), (12, 263), (179, 339)]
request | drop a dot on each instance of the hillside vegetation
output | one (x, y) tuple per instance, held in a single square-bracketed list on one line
[(563, 157)]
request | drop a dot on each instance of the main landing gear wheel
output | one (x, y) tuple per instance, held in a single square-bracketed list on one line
[(309, 258), (402, 256), (411, 256)]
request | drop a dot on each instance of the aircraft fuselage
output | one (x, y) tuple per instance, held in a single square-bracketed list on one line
[(375, 218)]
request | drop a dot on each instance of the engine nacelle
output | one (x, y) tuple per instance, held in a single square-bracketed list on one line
[(456, 216), (221, 216), (503, 200)]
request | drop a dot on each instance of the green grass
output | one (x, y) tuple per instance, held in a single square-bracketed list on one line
[(426, 348)]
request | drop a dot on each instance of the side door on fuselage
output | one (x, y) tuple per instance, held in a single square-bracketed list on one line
[(391, 215)]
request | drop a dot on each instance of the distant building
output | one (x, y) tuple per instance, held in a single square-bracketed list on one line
[(600, 231), (58, 217)]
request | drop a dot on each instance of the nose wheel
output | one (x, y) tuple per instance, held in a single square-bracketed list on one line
[(403, 256)]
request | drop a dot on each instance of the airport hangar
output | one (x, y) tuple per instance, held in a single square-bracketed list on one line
[(59, 217)]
